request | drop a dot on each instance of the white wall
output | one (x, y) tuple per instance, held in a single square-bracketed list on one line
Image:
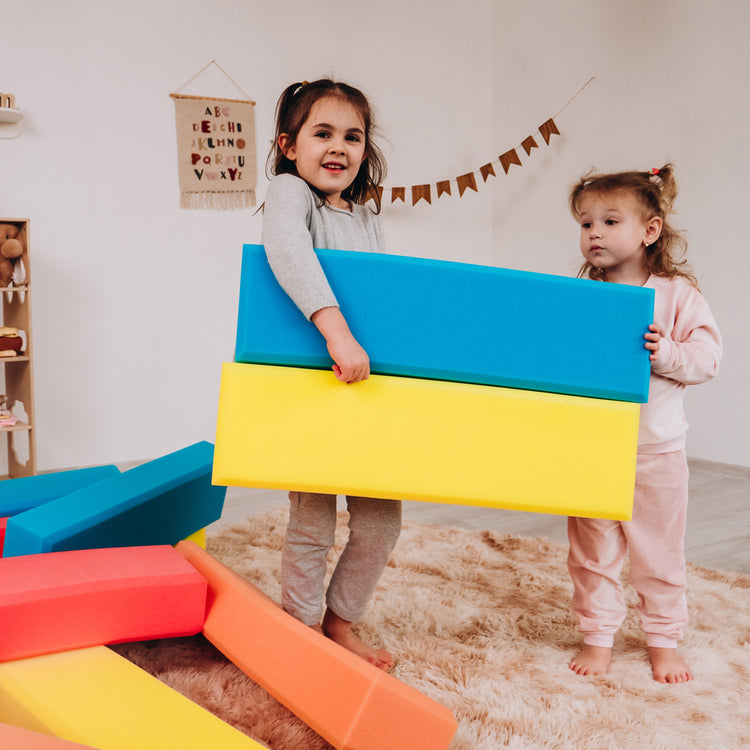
[(135, 300), (671, 83)]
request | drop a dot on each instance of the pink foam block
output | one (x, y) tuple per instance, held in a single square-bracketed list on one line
[(60, 601), (15, 738), (350, 703), (3, 526)]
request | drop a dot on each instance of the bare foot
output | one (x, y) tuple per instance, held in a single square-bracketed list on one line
[(591, 660), (340, 631), (668, 665)]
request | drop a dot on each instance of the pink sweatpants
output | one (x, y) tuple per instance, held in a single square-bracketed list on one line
[(655, 541)]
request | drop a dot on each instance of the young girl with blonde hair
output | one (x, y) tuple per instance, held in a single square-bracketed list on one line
[(626, 238), (325, 165)]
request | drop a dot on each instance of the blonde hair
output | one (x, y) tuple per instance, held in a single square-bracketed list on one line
[(655, 192)]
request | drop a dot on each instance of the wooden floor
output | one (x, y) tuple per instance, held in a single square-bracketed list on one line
[(718, 534)]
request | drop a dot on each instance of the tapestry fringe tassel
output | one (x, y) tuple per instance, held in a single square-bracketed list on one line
[(220, 201)]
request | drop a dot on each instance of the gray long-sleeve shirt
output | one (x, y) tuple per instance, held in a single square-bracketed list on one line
[(294, 223)]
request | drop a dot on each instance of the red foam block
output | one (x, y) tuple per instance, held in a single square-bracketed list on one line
[(350, 703), (3, 525), (15, 738), (58, 601)]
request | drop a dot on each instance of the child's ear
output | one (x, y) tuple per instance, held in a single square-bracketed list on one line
[(287, 147), (653, 230)]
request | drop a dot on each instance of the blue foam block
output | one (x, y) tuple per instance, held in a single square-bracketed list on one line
[(159, 502), (24, 493), (456, 321)]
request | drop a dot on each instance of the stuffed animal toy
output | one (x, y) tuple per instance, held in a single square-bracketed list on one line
[(12, 248)]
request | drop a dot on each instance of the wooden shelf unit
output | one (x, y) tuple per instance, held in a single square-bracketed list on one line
[(18, 385)]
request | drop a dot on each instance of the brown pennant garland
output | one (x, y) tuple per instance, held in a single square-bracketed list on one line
[(468, 181)]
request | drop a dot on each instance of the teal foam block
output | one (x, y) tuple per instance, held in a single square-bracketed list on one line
[(159, 502), (25, 493), (442, 320)]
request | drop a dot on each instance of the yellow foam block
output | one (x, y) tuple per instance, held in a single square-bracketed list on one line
[(199, 537), (412, 439), (96, 697)]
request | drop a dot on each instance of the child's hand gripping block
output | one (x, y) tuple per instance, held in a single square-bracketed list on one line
[(24, 493), (350, 703), (65, 600), (15, 738), (412, 439), (96, 697), (455, 321), (159, 502)]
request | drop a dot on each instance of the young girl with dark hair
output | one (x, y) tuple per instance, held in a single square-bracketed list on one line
[(325, 165)]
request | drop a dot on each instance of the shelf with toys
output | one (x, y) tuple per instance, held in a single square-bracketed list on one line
[(16, 352)]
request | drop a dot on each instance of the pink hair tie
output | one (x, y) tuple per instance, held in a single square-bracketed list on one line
[(654, 170)]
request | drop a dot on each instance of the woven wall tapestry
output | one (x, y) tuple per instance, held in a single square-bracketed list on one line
[(216, 152)]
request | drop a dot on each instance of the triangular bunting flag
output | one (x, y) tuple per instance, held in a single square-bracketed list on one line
[(375, 193), (486, 171), (548, 129), (508, 158), (466, 181), (420, 192), (398, 194), (528, 144), (444, 186)]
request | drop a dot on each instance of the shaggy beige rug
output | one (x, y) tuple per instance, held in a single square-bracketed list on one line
[(480, 623)]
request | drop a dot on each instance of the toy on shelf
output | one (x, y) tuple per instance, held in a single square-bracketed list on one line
[(11, 341), (12, 255), (16, 347)]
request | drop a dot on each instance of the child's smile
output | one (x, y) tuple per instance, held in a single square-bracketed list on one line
[(329, 149)]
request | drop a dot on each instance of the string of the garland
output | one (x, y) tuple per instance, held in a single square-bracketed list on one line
[(468, 180)]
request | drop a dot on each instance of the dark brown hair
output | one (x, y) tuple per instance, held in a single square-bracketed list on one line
[(655, 191), (293, 109)]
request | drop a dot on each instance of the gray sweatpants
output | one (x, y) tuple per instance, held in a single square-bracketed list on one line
[(374, 527)]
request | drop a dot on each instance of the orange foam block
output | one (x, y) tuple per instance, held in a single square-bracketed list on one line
[(350, 703), (16, 738), (60, 601)]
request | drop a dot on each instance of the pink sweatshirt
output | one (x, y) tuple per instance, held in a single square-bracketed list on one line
[(689, 353)]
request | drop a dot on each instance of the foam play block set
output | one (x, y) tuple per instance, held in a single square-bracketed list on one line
[(159, 502), (24, 493), (96, 697), (67, 600), (414, 439), (15, 738), (349, 702), (461, 322)]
